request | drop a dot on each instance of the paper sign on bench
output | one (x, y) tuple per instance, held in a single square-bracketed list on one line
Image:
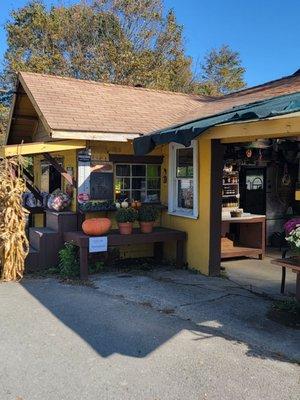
[(97, 244)]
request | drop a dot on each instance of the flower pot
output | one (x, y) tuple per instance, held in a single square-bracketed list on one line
[(96, 226), (125, 228), (146, 227)]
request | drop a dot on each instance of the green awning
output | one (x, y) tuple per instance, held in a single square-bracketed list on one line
[(185, 133)]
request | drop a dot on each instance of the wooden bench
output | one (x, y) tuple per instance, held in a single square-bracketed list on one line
[(158, 237), (292, 263)]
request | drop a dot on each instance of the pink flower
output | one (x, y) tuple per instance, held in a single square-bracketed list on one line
[(291, 225)]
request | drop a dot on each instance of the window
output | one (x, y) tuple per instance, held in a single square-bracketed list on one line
[(138, 182), (183, 180)]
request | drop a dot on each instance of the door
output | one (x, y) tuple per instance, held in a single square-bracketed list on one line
[(253, 190)]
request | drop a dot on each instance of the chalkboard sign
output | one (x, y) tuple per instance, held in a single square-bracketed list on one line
[(101, 185)]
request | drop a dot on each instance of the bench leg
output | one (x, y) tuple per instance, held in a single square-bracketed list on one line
[(298, 286), (158, 251), (84, 269), (179, 253), (283, 279)]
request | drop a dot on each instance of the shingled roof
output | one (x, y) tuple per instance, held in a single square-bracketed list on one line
[(76, 106), (69, 104)]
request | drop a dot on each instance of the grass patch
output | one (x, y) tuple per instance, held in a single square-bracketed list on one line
[(286, 312)]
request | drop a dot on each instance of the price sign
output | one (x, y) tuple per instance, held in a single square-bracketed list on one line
[(97, 244)]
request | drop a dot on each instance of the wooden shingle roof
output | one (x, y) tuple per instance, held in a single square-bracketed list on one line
[(76, 106), (69, 104)]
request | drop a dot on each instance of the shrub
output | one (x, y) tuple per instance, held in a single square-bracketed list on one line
[(69, 266), (126, 215), (147, 213)]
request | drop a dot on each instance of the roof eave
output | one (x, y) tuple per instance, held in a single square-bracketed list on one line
[(97, 135)]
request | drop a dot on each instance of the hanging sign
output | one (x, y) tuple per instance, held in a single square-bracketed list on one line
[(97, 244), (84, 170)]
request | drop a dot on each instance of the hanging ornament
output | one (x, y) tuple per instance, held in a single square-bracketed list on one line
[(249, 153)]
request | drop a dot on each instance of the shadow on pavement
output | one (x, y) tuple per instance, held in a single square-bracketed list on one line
[(111, 324)]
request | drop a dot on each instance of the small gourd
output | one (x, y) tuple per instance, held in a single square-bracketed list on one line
[(124, 204)]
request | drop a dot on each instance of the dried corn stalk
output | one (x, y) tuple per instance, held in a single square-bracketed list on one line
[(14, 245)]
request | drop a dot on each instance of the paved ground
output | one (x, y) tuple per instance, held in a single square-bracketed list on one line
[(164, 335), (261, 276)]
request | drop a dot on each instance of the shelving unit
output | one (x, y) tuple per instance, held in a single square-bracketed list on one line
[(230, 190)]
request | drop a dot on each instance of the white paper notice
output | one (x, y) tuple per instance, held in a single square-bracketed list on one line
[(97, 244)]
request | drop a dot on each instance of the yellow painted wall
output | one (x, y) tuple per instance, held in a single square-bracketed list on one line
[(197, 246)]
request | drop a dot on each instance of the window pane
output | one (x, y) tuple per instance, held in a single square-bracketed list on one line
[(153, 196), (138, 183), (184, 163), (153, 171), (185, 193), (123, 170), (153, 183), (138, 195), (126, 183), (138, 170)]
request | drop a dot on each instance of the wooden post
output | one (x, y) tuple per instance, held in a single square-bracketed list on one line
[(158, 250), (179, 253), (84, 268), (217, 154)]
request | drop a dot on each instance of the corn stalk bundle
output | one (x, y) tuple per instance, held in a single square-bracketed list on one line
[(14, 244)]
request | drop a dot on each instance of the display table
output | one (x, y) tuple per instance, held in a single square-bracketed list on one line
[(158, 237), (243, 236)]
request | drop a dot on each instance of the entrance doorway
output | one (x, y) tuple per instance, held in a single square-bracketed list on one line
[(253, 189), (259, 181)]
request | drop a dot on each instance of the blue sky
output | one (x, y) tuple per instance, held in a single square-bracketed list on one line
[(265, 32)]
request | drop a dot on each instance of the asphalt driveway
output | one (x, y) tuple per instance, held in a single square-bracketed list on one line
[(157, 335)]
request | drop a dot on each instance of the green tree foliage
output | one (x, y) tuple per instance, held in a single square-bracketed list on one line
[(120, 41), (222, 72)]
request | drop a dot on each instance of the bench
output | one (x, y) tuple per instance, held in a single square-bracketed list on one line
[(158, 237), (292, 263)]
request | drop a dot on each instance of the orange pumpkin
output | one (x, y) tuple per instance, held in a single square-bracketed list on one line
[(96, 226)]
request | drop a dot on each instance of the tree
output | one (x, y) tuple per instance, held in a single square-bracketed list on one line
[(120, 41), (222, 72)]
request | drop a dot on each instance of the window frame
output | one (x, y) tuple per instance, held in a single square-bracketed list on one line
[(173, 208), (131, 177)]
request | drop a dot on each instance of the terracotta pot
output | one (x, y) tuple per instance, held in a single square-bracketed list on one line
[(146, 227), (125, 228), (96, 226)]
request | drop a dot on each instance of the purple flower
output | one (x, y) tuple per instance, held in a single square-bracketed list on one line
[(291, 225)]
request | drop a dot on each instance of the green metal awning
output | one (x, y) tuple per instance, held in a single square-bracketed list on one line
[(185, 133)]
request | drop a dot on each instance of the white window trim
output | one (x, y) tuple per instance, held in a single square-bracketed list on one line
[(173, 209)]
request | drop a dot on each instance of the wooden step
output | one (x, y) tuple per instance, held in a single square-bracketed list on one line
[(65, 221), (32, 260), (47, 242)]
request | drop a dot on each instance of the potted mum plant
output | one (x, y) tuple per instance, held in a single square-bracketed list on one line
[(125, 218), (292, 231), (147, 215)]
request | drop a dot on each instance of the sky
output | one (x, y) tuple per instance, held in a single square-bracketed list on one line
[(266, 33)]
